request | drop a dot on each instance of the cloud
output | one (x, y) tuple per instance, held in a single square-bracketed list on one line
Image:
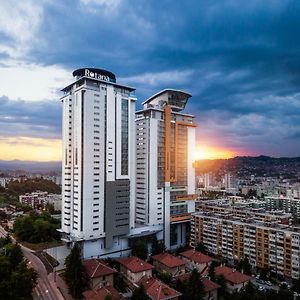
[(19, 25), (240, 60), (38, 119), (30, 81)]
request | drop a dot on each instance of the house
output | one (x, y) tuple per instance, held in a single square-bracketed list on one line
[(210, 287), (157, 290), (99, 273), (134, 268), (235, 280), (102, 294), (167, 263), (196, 260)]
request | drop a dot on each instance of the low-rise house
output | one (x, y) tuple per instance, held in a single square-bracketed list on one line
[(235, 280), (167, 263), (99, 273), (210, 289), (196, 260), (107, 292), (157, 290), (134, 268)]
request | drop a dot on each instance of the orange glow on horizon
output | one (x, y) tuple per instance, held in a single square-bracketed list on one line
[(35, 149), (206, 152)]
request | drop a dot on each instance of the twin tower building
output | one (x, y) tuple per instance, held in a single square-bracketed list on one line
[(127, 174)]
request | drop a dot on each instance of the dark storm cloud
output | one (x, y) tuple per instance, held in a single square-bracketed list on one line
[(40, 119), (239, 59)]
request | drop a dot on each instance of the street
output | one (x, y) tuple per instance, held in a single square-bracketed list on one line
[(46, 289)]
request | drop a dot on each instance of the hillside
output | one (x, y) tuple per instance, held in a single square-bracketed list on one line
[(30, 166), (243, 166)]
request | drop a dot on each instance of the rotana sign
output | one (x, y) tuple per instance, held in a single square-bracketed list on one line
[(95, 75)]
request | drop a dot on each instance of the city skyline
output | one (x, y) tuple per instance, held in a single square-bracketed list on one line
[(243, 71)]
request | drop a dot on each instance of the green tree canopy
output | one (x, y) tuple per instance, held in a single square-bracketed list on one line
[(75, 275), (157, 246), (139, 249), (14, 254), (139, 294)]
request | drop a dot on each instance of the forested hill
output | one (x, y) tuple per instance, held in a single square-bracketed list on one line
[(246, 165), (31, 185), (31, 166)]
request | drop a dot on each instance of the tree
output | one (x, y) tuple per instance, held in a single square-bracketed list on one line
[(23, 280), (191, 288), (36, 228), (157, 246), (165, 277), (14, 254), (244, 266), (285, 293), (211, 270), (75, 273), (139, 294), (195, 287), (200, 247), (139, 249), (220, 280), (108, 297)]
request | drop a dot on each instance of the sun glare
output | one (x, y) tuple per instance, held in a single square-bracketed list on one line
[(204, 152)]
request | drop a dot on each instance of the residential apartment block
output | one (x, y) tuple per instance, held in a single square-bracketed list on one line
[(38, 200), (265, 242)]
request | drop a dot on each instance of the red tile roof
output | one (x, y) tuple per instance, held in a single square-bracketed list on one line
[(232, 275), (97, 267), (157, 290), (209, 285), (135, 264), (196, 256), (169, 260), (101, 293)]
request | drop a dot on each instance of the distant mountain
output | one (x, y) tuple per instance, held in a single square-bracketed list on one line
[(247, 165), (30, 166)]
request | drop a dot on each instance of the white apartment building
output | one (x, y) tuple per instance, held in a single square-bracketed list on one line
[(98, 173), (165, 176)]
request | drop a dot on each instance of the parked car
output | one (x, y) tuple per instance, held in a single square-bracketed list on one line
[(269, 283), (261, 288)]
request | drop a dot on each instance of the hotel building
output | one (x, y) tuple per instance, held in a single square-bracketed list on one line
[(265, 241), (98, 173), (165, 176)]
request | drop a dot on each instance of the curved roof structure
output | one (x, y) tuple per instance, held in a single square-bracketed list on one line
[(175, 98)]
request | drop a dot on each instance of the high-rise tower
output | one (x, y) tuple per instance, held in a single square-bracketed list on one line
[(165, 176), (98, 174)]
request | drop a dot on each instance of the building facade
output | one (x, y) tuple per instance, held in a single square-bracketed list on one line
[(165, 176), (267, 244), (98, 174)]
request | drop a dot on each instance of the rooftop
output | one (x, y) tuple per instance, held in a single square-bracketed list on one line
[(101, 293), (135, 264), (169, 260), (177, 99), (97, 267), (232, 275), (196, 256), (157, 290), (209, 285)]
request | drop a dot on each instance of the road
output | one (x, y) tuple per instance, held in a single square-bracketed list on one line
[(46, 289)]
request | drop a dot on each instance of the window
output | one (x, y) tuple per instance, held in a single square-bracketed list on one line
[(124, 137)]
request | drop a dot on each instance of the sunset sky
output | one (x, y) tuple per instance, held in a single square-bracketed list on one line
[(239, 59)]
